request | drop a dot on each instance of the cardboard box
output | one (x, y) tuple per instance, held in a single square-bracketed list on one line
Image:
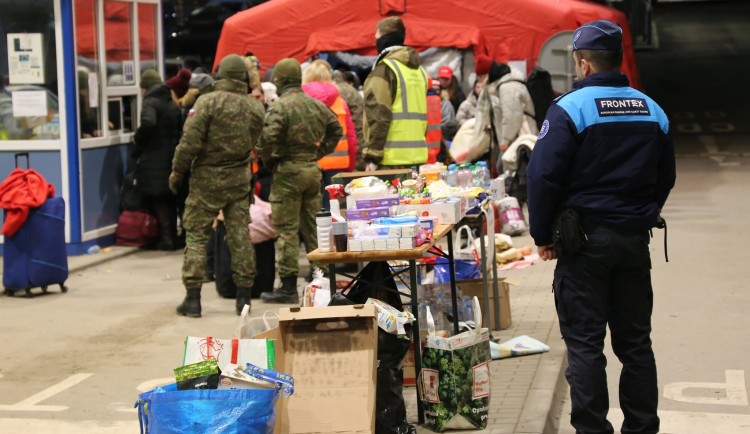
[(447, 213), (332, 354), (474, 287)]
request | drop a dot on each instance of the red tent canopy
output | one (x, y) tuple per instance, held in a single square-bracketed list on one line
[(504, 29)]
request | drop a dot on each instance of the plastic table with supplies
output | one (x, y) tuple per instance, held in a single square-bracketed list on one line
[(412, 255)]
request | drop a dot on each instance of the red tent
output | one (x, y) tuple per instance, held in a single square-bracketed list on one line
[(504, 29)]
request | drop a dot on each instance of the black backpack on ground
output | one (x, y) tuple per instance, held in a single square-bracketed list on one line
[(515, 185)]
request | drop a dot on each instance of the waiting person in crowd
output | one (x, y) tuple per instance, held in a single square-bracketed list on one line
[(449, 87), (447, 112), (482, 65), (395, 122), (468, 108), (289, 148), (180, 84), (155, 141), (511, 104), (216, 146), (355, 102), (316, 82), (604, 152)]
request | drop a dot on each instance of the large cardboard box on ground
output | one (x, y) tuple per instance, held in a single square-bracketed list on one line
[(332, 354), (474, 287)]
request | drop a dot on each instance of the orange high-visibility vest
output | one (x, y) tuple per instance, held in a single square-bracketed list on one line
[(434, 134), (339, 158)]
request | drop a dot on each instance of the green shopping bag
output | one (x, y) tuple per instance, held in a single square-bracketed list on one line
[(455, 379)]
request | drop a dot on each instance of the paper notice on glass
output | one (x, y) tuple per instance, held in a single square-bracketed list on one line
[(25, 61), (29, 103), (93, 90), (128, 72)]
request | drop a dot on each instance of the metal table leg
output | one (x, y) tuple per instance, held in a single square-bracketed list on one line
[(452, 270), (332, 278), (417, 339), (485, 285)]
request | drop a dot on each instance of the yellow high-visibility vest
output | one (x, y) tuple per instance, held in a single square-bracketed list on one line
[(405, 143)]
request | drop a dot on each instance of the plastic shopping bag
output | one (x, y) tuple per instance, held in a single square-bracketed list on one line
[(465, 259), (455, 378), (248, 411)]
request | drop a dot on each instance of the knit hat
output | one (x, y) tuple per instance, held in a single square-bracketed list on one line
[(180, 82), (232, 67), (200, 79), (288, 69), (482, 64), (149, 78), (391, 25), (598, 35)]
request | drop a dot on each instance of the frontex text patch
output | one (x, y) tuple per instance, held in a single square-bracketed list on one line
[(618, 106)]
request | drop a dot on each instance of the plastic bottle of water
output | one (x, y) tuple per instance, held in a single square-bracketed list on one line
[(477, 180), (444, 173), (452, 175), (486, 178), (466, 176), (414, 172), (93, 249)]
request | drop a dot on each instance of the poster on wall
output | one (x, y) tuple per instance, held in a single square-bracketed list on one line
[(25, 61)]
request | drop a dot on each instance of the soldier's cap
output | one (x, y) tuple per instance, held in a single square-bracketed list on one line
[(233, 67), (391, 25), (288, 69), (598, 35), (149, 78)]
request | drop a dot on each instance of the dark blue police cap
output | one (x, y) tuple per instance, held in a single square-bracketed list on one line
[(598, 35)]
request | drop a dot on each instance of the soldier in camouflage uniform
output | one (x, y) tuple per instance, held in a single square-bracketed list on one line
[(216, 146), (288, 147)]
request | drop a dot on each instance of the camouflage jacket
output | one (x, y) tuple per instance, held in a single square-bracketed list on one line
[(378, 100), (295, 123), (218, 137)]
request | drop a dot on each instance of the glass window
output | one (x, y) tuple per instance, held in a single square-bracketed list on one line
[(89, 86), (118, 40), (147, 36), (28, 71)]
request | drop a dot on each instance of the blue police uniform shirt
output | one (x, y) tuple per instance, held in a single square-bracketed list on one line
[(605, 150)]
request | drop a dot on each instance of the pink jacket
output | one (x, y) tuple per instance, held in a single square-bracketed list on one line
[(327, 94)]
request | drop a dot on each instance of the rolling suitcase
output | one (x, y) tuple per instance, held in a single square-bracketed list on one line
[(36, 256)]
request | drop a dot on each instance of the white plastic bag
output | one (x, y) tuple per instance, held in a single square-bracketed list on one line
[(318, 292), (465, 249), (511, 216), (249, 327)]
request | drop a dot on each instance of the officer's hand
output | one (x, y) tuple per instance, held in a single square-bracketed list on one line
[(547, 253), (175, 179)]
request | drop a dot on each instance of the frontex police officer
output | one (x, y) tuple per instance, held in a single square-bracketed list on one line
[(604, 151)]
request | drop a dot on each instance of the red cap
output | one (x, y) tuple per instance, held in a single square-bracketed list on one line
[(482, 64), (445, 72)]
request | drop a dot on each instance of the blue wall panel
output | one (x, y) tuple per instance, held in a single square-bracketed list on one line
[(47, 163), (102, 171)]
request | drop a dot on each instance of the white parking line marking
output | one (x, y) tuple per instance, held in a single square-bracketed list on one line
[(692, 422), (57, 426), (736, 393), (29, 404)]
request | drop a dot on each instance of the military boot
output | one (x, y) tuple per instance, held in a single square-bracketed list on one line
[(287, 294), (243, 298), (191, 306)]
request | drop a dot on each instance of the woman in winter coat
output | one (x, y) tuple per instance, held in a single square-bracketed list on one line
[(468, 108), (155, 142), (317, 82)]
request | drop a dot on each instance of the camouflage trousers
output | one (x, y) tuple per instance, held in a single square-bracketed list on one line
[(201, 207), (295, 199)]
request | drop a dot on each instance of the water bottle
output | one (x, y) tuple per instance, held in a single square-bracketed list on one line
[(325, 236), (93, 249), (444, 173), (477, 180), (464, 175), (414, 172), (486, 175), (451, 180)]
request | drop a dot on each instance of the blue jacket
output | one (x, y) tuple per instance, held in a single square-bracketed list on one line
[(605, 150)]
